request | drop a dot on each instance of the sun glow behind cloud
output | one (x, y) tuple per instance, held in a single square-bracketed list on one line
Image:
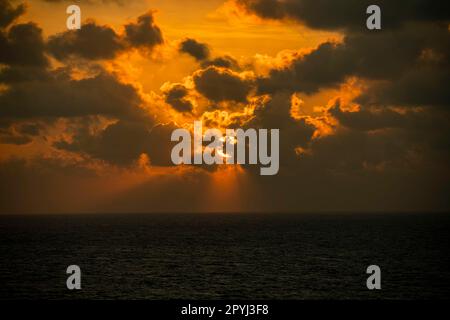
[(225, 191)]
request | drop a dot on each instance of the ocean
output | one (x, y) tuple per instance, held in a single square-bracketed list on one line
[(225, 256)]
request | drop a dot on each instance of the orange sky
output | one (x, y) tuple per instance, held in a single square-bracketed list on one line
[(214, 22), (322, 124)]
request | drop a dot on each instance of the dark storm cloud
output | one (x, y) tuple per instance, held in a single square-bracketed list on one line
[(120, 143), (375, 161), (92, 41), (95, 42), (8, 12), (379, 56), (123, 142), (350, 15), (35, 92), (201, 52), (368, 120), (428, 128), (358, 170), (221, 85), (144, 33), (160, 144), (275, 114), (198, 50), (176, 95), (64, 97), (223, 62), (309, 73), (22, 45), (410, 143), (378, 145), (399, 150), (350, 151), (424, 86), (15, 74)]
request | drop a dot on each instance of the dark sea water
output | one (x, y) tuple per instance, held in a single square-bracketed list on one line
[(222, 256)]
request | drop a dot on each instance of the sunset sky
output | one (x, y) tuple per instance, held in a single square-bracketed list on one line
[(86, 115)]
